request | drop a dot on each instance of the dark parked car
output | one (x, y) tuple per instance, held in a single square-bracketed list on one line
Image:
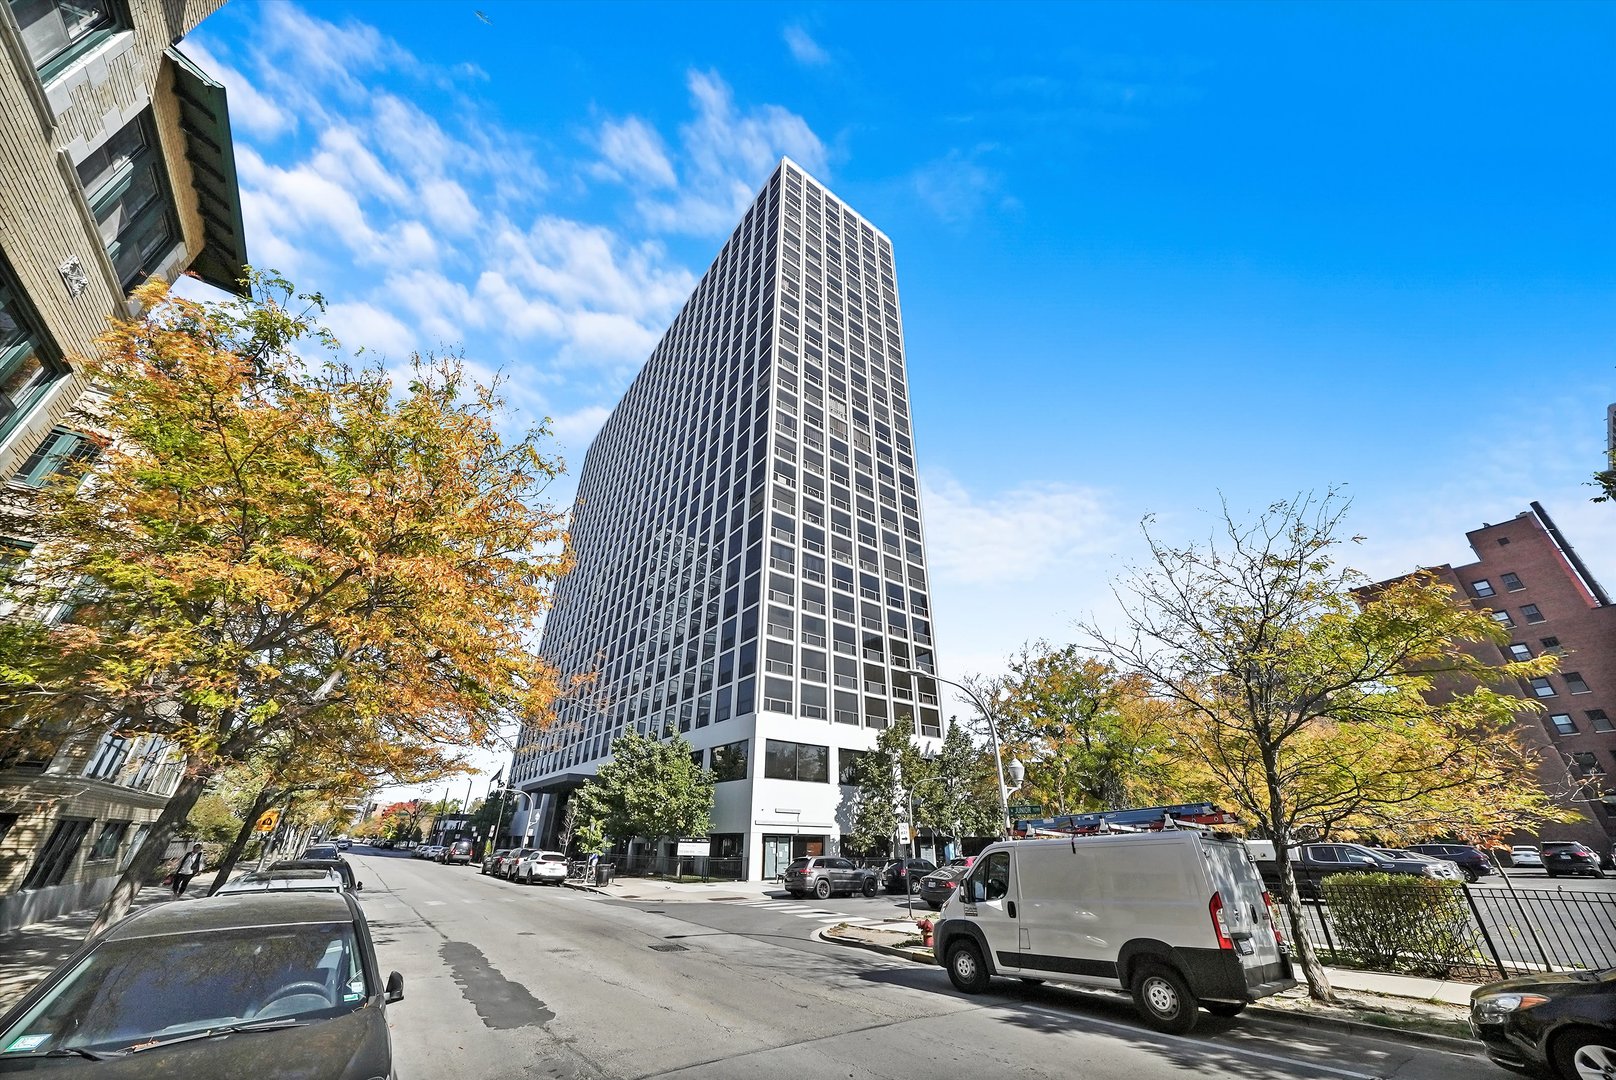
[(492, 861), (261, 986), (458, 852), (339, 866), (1570, 857), (937, 886), (1472, 862), (825, 875), (321, 851), (1562, 1025), (903, 874), (1311, 863)]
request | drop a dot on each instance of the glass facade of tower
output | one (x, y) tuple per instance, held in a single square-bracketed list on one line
[(751, 566)]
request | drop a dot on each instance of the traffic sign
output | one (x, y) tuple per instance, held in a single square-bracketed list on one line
[(1026, 810), (267, 821)]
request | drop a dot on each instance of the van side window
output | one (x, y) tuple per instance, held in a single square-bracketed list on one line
[(991, 879)]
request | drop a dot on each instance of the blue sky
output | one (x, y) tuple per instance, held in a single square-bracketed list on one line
[(1146, 253)]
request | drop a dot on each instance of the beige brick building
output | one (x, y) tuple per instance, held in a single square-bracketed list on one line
[(116, 165)]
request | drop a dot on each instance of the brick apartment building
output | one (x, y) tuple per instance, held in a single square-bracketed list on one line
[(116, 164), (1533, 582)]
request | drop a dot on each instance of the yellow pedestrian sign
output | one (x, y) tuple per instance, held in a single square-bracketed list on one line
[(267, 821)]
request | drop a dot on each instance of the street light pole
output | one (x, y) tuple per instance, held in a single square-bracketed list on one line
[(998, 752)]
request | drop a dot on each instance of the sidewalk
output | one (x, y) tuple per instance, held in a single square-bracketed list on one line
[(662, 889), (29, 953)]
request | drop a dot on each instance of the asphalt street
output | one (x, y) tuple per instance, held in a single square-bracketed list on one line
[(504, 980)]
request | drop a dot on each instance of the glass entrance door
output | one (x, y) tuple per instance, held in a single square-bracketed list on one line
[(776, 855)]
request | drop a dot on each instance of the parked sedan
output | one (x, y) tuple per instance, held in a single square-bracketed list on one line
[(282, 881), (825, 875), (903, 874), (1523, 855), (492, 860), (340, 867), (937, 886), (542, 868), (1562, 1024), (261, 986), (1570, 857), (1471, 861), (1430, 865)]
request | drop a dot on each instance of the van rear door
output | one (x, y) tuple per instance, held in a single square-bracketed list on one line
[(1245, 912)]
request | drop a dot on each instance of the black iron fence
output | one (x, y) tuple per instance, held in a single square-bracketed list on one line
[(673, 867), (1454, 930)]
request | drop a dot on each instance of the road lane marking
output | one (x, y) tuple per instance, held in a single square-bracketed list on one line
[(434, 903)]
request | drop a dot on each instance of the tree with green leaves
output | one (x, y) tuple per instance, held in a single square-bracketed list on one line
[(883, 780), (491, 817), (650, 789), (1309, 697), (954, 792), (275, 540)]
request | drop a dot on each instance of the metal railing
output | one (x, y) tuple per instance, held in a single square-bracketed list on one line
[(1476, 931)]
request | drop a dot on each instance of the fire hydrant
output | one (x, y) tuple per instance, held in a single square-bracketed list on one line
[(925, 931)]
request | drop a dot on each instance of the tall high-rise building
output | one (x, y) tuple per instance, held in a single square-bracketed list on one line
[(751, 567)]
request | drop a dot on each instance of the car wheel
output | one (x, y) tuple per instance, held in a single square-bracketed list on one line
[(868, 888), (822, 888), (1470, 875), (1584, 1054), (965, 968), (1224, 1008), (1163, 998)]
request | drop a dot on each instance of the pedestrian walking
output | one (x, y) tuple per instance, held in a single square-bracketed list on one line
[(190, 866)]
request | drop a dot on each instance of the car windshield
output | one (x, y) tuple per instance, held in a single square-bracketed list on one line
[(799, 864), (552, 856), (143, 990), (285, 879)]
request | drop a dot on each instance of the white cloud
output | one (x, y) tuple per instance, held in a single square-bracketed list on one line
[(1015, 535), (448, 205), (727, 153), (804, 49), (632, 149), (577, 429), (361, 325), (955, 187)]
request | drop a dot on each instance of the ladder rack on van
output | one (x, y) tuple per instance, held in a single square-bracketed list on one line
[(1199, 816)]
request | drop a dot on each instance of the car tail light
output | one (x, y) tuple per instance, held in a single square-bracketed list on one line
[(951, 884), (1218, 924), (1273, 920)]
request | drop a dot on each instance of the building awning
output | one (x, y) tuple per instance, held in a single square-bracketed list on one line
[(558, 783), (205, 119)]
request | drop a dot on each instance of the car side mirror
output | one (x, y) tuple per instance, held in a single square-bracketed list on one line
[(395, 987)]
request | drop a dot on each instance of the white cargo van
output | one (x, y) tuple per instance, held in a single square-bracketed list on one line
[(1178, 917)]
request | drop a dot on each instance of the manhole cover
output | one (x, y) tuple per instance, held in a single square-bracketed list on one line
[(669, 947)]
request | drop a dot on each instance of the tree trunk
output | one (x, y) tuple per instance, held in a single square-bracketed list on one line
[(150, 855), (1318, 984), (244, 834)]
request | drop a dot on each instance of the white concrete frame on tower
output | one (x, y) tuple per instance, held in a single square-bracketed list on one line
[(751, 567)]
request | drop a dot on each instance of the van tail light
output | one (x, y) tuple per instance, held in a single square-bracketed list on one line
[(1273, 920), (1218, 923)]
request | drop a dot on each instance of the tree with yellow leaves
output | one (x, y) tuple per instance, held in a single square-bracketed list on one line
[(1309, 697), (274, 546)]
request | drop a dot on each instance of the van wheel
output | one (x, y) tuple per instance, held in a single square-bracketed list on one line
[(965, 967), (1163, 998), (822, 888), (1224, 1008)]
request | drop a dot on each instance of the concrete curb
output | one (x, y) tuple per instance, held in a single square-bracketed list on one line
[(1275, 1017), (916, 955), (585, 888), (1447, 1043)]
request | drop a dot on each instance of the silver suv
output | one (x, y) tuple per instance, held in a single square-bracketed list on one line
[(824, 875)]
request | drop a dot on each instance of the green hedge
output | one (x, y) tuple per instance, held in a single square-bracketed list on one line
[(1397, 922)]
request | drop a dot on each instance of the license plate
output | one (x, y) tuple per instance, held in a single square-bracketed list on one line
[(1244, 947)]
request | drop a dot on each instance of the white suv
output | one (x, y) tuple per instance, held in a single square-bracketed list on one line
[(541, 868)]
